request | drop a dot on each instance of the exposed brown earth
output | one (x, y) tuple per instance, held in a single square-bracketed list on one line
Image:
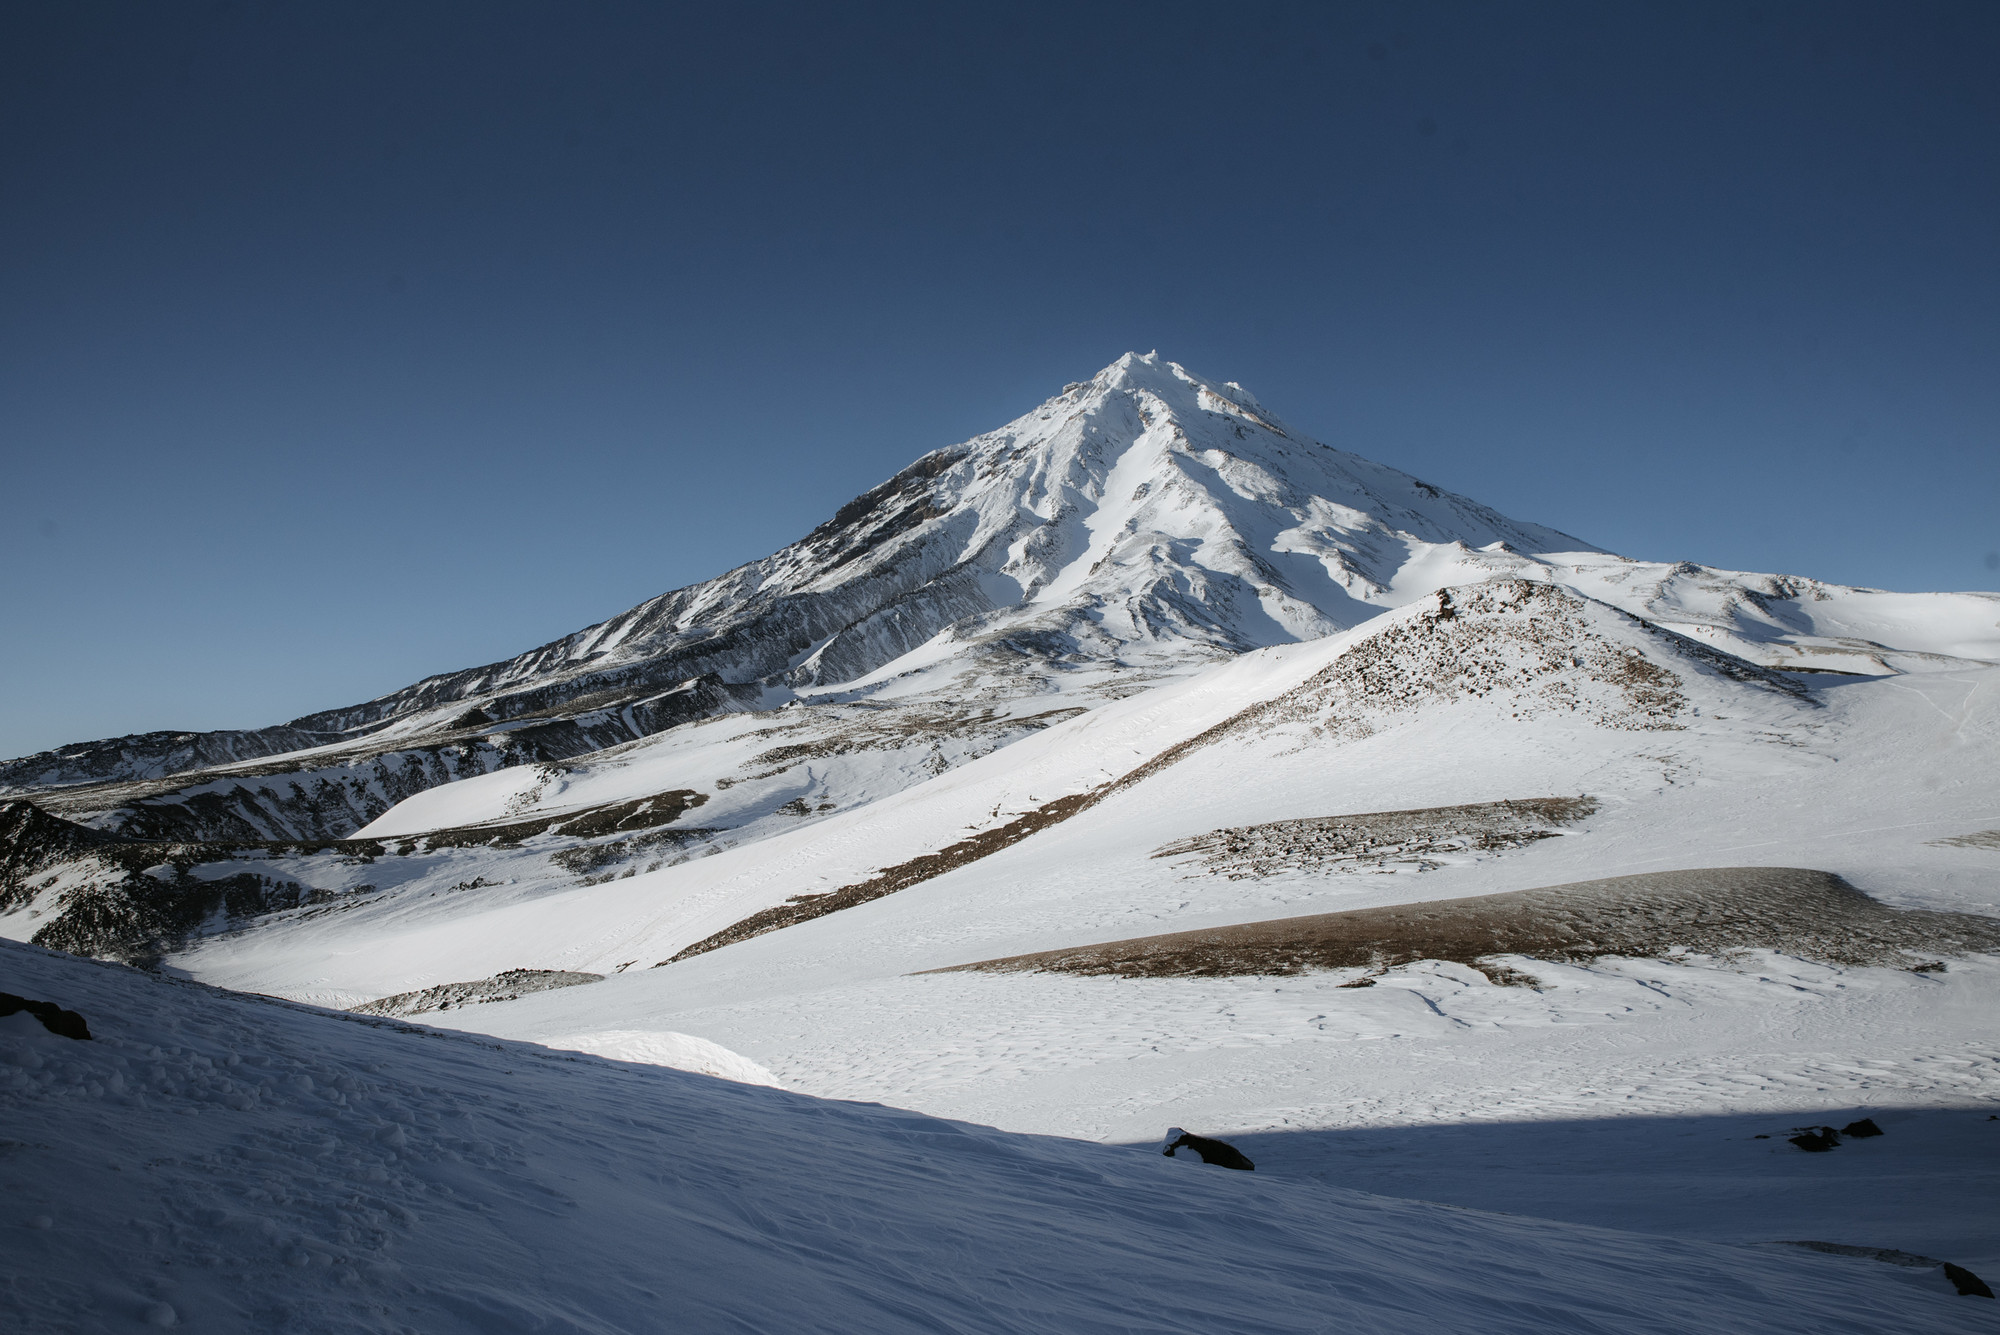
[(1349, 843), (1811, 914), (1977, 839), (804, 908)]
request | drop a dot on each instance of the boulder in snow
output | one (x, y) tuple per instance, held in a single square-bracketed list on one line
[(1216, 1152)]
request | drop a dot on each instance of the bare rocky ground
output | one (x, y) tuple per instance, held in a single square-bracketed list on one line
[(1378, 839), (1810, 914), (509, 986), (135, 900), (123, 893), (1977, 839)]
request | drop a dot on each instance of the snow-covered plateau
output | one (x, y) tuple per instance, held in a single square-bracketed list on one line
[(1414, 850)]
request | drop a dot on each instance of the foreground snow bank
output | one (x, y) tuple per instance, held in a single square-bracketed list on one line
[(232, 1163), (661, 1047)]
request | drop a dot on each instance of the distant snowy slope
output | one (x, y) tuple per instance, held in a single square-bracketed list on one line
[(233, 1164), (1514, 669)]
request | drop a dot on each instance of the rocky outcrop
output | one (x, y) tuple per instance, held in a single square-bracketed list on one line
[(112, 897), (345, 791), (1208, 1149), (1327, 844), (62, 1023), (508, 986)]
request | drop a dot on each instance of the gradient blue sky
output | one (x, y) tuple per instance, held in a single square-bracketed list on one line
[(345, 343)]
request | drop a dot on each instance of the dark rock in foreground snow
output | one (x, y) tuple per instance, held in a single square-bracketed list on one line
[(62, 1023), (1211, 1151)]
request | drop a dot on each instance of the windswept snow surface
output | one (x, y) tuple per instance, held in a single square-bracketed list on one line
[(683, 1052), (235, 1164)]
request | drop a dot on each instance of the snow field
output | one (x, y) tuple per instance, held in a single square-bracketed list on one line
[(228, 1163), (1865, 786)]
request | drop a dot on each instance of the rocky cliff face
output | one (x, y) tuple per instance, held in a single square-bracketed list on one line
[(331, 792)]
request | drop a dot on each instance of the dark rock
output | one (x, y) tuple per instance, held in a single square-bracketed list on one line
[(1220, 1153), (62, 1023), (1862, 1129), (1968, 1284), (1815, 1140)]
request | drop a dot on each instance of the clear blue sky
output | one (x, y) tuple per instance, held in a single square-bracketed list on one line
[(344, 343)]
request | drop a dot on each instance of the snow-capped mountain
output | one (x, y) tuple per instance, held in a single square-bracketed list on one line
[(1652, 863), (1148, 514), (1134, 528), (1146, 521)]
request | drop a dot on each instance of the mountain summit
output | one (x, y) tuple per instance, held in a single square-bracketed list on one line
[(1146, 512)]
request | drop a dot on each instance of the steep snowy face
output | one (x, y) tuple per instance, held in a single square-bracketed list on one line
[(1149, 511)]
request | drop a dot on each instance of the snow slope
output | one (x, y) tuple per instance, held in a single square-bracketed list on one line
[(1523, 691), (229, 1163), (1523, 672)]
